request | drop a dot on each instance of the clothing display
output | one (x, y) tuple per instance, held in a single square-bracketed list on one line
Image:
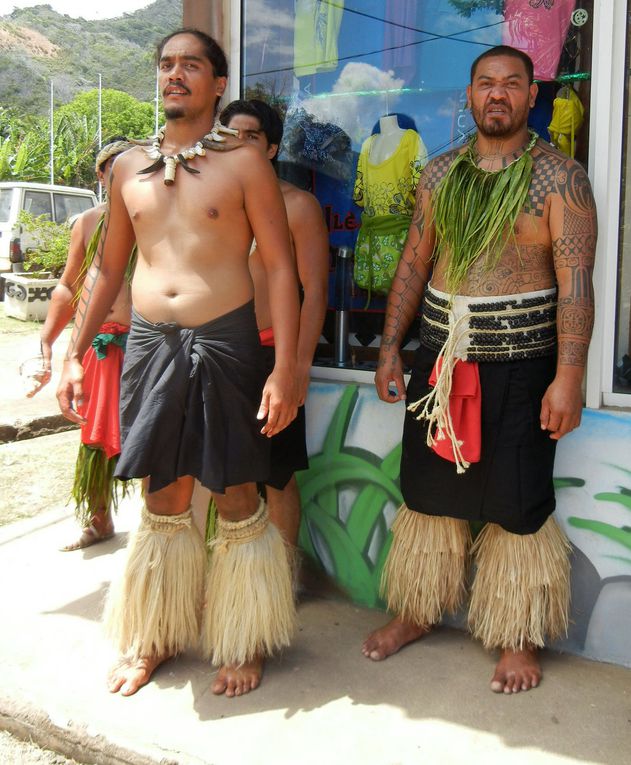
[(538, 29), (189, 399), (386, 191), (316, 30), (567, 118)]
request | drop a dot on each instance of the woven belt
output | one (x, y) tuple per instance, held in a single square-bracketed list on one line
[(502, 328)]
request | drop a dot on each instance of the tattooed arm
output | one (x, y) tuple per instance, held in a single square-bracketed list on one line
[(573, 229), (102, 285), (406, 291)]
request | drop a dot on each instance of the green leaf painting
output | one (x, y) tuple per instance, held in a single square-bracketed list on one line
[(344, 495)]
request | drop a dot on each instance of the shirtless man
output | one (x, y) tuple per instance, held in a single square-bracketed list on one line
[(94, 489), (508, 313), (194, 400), (261, 126)]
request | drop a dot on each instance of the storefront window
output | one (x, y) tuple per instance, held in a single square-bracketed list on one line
[(622, 371), (343, 71)]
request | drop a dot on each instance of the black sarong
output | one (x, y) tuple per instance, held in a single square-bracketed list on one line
[(189, 398), (512, 484)]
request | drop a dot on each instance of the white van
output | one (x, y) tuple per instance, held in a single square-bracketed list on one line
[(57, 202)]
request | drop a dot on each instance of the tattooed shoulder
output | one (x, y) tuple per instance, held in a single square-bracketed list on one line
[(436, 169)]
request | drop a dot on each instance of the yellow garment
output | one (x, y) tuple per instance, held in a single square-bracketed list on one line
[(567, 118), (317, 27)]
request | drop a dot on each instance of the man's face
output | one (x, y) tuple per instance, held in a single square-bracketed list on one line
[(187, 81), (249, 128), (500, 96)]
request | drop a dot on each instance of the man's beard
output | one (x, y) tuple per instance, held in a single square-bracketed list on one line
[(174, 113), (493, 128)]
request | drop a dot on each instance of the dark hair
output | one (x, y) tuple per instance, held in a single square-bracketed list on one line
[(269, 119), (212, 49), (506, 50)]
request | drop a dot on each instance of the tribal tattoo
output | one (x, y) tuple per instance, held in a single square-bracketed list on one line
[(573, 254)]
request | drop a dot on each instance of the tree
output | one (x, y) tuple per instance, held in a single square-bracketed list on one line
[(121, 114)]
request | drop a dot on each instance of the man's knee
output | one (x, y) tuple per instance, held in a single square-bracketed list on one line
[(174, 499), (238, 502)]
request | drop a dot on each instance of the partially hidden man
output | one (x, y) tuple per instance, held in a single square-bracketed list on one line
[(500, 252), (194, 399)]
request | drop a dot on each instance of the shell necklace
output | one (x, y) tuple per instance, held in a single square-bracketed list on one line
[(213, 140)]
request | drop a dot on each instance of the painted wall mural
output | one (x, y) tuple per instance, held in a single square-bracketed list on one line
[(350, 495)]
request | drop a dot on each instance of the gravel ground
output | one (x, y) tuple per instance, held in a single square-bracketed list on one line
[(13, 751)]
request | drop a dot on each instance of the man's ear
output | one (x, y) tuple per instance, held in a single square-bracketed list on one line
[(468, 96), (534, 89), (222, 83), (272, 150)]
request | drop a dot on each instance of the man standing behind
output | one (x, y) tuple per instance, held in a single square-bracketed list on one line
[(191, 403), (94, 489), (262, 127), (507, 228)]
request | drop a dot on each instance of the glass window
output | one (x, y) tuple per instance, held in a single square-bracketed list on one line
[(67, 205), (622, 371), (341, 72), (5, 204), (38, 203)]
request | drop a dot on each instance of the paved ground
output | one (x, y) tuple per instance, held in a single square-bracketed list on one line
[(321, 702)]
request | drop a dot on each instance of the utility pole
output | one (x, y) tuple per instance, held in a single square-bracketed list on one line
[(52, 135), (99, 133)]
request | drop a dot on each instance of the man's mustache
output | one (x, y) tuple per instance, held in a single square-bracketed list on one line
[(176, 84)]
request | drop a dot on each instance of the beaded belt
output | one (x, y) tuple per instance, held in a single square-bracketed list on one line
[(502, 328)]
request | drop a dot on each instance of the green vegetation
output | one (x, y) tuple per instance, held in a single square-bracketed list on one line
[(53, 240), (42, 44)]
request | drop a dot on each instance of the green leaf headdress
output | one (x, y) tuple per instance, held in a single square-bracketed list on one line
[(475, 210)]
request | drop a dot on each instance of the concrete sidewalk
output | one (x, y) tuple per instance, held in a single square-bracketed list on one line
[(320, 702)]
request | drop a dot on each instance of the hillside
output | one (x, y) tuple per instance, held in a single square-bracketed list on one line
[(38, 44)]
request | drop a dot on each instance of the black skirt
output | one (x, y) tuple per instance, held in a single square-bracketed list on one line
[(189, 398), (512, 484)]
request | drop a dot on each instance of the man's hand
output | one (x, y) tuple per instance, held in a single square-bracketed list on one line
[(70, 391), (278, 403), (36, 371), (389, 375), (561, 407)]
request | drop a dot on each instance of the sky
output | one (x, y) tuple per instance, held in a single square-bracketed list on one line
[(97, 9)]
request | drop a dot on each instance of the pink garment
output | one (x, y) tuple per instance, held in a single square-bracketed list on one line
[(538, 28)]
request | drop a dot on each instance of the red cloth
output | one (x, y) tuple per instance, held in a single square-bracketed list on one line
[(266, 336), (465, 407), (101, 391)]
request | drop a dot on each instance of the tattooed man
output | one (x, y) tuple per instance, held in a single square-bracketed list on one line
[(194, 399), (506, 229)]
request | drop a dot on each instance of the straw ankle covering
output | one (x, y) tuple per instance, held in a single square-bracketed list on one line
[(424, 574), (250, 609), (521, 591), (155, 609)]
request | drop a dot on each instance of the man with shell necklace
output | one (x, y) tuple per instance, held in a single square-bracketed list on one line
[(500, 254), (194, 399)]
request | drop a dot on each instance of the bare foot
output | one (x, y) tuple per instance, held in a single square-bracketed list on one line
[(235, 681), (516, 671), (389, 639), (128, 675)]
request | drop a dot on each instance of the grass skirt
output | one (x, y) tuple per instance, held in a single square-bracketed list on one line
[(425, 571), (250, 608), (521, 591), (155, 609)]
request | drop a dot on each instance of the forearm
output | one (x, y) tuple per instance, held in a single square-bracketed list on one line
[(284, 309), (575, 320), (312, 314), (60, 311), (403, 302)]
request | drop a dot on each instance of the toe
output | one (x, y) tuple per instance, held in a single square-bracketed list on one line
[(497, 685)]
